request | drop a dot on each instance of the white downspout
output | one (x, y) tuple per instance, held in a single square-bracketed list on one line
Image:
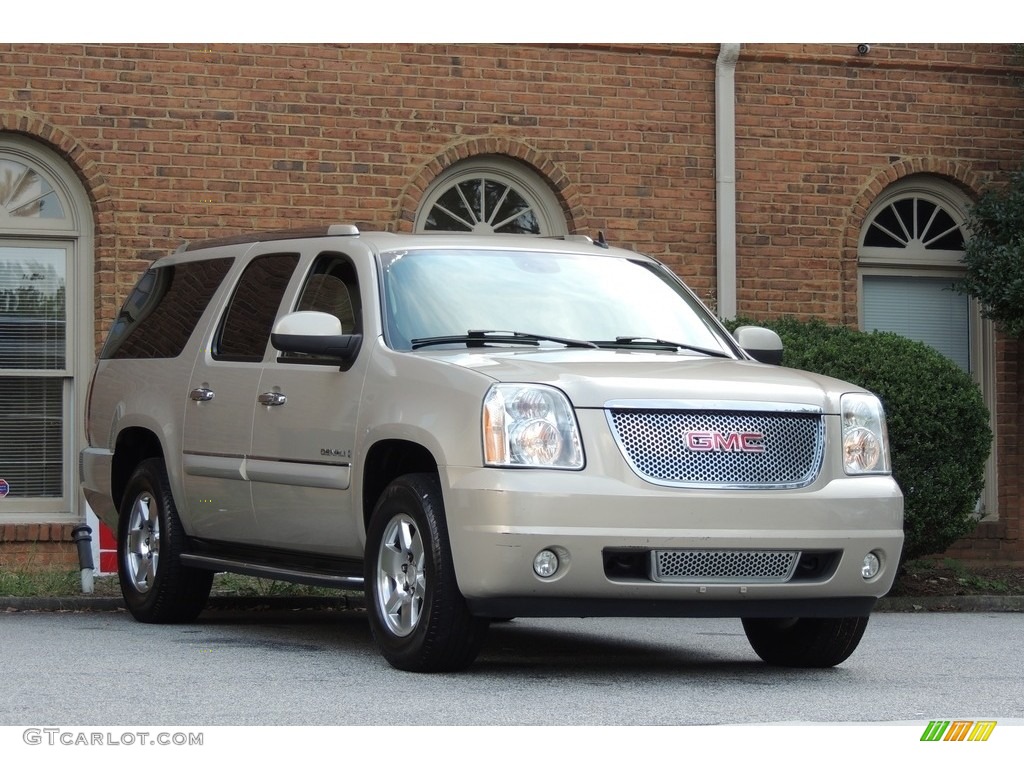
[(725, 177)]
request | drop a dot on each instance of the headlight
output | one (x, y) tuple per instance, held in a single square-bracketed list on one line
[(530, 426), (865, 439)]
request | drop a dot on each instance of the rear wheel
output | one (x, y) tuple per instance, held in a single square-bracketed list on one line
[(157, 588), (806, 642), (418, 617)]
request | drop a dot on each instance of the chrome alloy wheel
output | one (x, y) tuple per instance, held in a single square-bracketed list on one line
[(142, 552), (401, 575)]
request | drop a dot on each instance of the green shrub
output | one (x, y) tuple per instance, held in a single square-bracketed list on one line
[(939, 433), (994, 255)]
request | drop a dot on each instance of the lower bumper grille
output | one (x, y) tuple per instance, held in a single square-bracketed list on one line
[(732, 566)]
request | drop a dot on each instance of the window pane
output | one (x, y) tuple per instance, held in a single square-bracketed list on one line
[(250, 317), (32, 436), (33, 308), (483, 205), (332, 288), (160, 314), (25, 193), (944, 233), (921, 308), (451, 212), (442, 293)]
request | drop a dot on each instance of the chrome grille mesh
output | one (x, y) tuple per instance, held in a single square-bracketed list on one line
[(737, 449), (747, 566)]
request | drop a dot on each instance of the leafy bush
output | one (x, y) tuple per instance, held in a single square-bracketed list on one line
[(994, 255), (938, 424)]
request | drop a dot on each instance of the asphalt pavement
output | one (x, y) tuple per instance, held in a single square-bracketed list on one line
[(347, 601)]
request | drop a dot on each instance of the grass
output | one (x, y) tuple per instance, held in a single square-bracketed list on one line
[(40, 583), (51, 583)]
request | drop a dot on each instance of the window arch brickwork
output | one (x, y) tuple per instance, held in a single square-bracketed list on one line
[(534, 162)]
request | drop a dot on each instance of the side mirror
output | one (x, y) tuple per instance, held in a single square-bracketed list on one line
[(762, 344), (314, 333)]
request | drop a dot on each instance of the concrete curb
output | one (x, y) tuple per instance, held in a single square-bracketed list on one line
[(346, 602)]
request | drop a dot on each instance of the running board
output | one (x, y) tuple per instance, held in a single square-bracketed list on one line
[(274, 572)]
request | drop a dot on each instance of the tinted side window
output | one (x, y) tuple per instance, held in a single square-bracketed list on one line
[(245, 329), (160, 314), (331, 287)]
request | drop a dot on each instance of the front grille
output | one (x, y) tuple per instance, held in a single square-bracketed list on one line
[(704, 565), (721, 448)]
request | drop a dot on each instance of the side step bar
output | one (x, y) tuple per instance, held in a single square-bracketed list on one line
[(275, 572)]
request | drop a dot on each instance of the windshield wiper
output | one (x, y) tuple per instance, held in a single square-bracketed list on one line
[(652, 343), (483, 338)]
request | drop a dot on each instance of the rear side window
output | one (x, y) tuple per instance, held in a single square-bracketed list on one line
[(245, 329), (160, 314)]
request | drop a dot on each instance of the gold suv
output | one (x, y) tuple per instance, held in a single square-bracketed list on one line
[(477, 428)]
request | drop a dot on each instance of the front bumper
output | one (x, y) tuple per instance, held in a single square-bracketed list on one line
[(498, 520)]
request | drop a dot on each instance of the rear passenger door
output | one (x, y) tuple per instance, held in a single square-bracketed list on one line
[(304, 428), (222, 398)]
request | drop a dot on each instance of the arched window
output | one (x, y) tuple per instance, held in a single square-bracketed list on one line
[(910, 257), (487, 195), (46, 330)]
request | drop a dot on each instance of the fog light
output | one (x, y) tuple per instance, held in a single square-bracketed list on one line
[(545, 564), (871, 566)]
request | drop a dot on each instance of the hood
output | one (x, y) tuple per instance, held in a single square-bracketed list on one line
[(593, 377)]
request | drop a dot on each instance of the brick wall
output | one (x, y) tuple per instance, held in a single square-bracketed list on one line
[(37, 546), (177, 142)]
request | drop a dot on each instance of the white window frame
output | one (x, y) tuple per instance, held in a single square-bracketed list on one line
[(916, 261), (73, 232), (516, 175)]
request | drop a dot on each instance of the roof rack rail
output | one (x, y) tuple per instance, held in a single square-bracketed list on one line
[(572, 238), (332, 230)]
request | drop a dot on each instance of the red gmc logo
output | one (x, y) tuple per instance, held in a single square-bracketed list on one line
[(736, 442)]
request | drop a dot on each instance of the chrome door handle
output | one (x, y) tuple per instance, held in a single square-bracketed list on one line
[(271, 398), (201, 394)]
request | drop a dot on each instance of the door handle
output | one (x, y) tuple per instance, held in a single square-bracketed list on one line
[(201, 394), (272, 398)]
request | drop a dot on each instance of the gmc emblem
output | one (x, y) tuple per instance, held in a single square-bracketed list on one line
[(734, 442)]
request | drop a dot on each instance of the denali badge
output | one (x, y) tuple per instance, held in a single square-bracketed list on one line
[(735, 442)]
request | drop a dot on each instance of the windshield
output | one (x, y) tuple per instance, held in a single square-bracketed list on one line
[(432, 294)]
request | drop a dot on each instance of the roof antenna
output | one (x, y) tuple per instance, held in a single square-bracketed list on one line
[(600, 239)]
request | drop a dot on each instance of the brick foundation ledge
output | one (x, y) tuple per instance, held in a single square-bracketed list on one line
[(30, 546)]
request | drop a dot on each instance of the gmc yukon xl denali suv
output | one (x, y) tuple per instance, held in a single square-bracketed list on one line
[(475, 428)]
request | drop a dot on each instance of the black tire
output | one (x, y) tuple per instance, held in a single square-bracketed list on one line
[(157, 588), (418, 617), (811, 643)]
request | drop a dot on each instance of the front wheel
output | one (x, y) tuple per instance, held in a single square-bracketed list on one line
[(157, 588), (418, 617), (806, 642)]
